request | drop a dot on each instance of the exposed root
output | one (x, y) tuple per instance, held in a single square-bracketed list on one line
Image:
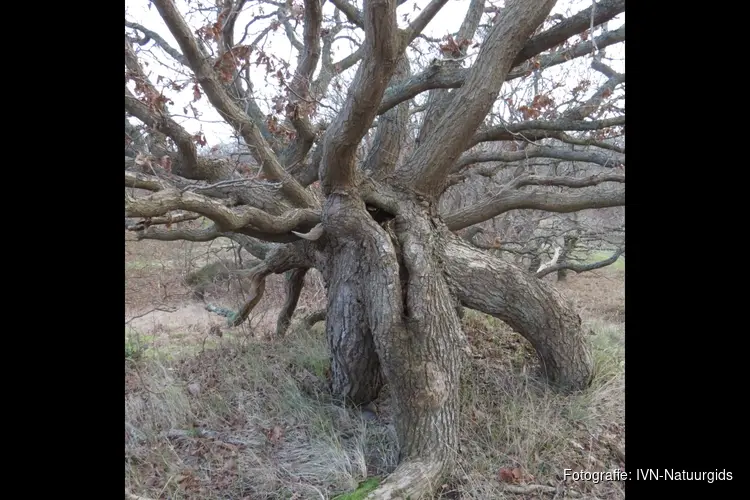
[(412, 479), (315, 317)]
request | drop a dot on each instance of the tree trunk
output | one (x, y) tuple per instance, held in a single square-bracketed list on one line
[(392, 293), (391, 309)]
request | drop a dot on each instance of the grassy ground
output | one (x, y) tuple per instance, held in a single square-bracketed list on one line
[(243, 416)]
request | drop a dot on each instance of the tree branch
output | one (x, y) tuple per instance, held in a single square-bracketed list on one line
[(294, 280), (428, 168), (351, 12), (390, 135), (513, 131), (381, 52), (157, 117), (301, 103), (508, 199), (581, 268), (435, 76), (422, 20), (159, 41), (439, 99), (610, 161), (604, 11), (228, 108), (590, 106), (241, 219)]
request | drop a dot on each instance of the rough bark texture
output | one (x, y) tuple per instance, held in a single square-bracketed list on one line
[(532, 307)]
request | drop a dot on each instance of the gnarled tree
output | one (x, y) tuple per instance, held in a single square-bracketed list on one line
[(394, 269)]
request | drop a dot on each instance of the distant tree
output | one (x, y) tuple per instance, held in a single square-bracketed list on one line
[(382, 158)]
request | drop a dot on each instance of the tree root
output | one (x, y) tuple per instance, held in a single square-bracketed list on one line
[(412, 479)]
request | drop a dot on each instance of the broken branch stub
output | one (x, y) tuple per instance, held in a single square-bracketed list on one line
[(312, 235)]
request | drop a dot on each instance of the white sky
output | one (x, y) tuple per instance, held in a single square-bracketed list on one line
[(447, 21)]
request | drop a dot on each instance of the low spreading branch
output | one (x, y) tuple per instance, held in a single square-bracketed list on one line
[(143, 181), (579, 268), (238, 219), (169, 219)]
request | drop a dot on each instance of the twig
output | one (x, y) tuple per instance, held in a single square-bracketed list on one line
[(162, 309)]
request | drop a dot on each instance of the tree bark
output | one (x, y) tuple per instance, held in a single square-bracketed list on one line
[(530, 306)]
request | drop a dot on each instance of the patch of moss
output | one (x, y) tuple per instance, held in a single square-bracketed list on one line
[(364, 488)]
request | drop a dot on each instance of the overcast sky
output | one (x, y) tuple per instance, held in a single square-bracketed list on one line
[(447, 21)]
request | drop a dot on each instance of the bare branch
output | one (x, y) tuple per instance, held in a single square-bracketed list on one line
[(381, 52), (566, 181), (233, 189), (610, 161), (390, 135), (157, 118), (240, 219), (439, 99), (293, 283), (435, 76), (604, 11), (350, 11), (142, 181), (508, 199), (513, 131), (422, 20), (300, 102), (169, 219), (229, 109), (428, 168), (592, 104), (186, 234), (160, 42), (280, 259), (580, 268), (565, 55)]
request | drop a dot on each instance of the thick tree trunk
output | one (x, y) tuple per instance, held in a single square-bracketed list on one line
[(390, 308), (355, 368)]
